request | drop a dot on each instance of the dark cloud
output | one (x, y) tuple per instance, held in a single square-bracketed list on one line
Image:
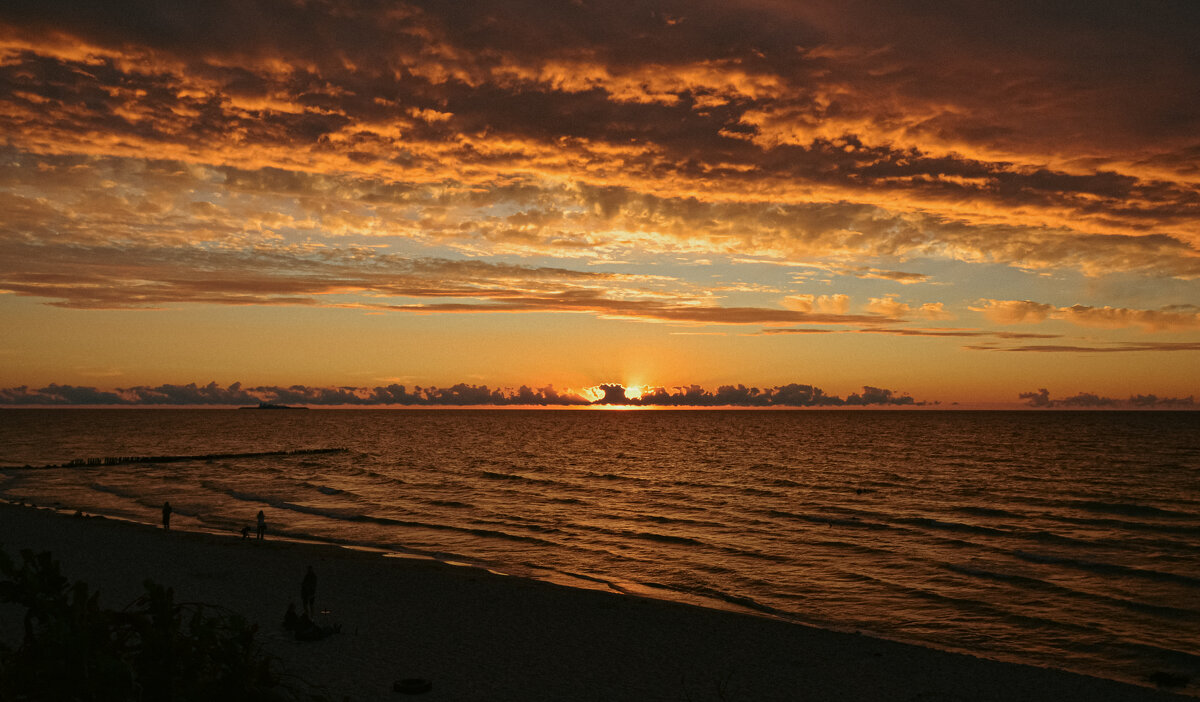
[(462, 394), (1086, 399), (790, 395), (1042, 399), (190, 394), (782, 109), (1169, 402), (54, 394), (968, 333), (642, 309), (878, 396), (797, 330), (236, 394), (1115, 347)]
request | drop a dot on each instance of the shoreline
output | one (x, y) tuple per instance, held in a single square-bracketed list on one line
[(480, 635), (540, 575)]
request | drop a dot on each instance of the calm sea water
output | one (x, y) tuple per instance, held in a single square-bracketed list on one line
[(1061, 539)]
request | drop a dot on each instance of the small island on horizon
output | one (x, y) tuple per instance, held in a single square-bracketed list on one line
[(273, 406)]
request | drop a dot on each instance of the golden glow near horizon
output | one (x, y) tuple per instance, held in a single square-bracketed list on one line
[(952, 205)]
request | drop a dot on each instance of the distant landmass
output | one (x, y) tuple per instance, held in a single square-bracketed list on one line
[(272, 405)]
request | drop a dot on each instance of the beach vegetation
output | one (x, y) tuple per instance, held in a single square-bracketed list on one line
[(155, 648)]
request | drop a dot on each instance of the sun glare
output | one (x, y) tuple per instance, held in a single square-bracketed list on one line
[(591, 394), (613, 395)]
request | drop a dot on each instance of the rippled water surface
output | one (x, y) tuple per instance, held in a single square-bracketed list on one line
[(1062, 539)]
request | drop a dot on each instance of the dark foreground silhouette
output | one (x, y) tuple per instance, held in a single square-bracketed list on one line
[(152, 649)]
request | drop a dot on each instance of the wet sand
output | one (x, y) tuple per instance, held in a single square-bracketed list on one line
[(481, 636)]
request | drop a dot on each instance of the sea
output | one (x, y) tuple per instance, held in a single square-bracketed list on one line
[(1062, 539)]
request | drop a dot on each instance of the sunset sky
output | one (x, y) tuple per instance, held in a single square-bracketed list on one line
[(953, 201)]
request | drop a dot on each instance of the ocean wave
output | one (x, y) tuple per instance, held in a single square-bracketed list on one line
[(1124, 526), (497, 534), (136, 497), (1122, 509), (567, 500), (767, 466), (1167, 657), (349, 516), (636, 534), (1127, 509), (664, 538), (241, 495), (354, 469), (840, 545), (826, 520), (113, 490), (757, 555), (784, 482), (760, 491), (1107, 568), (451, 503), (930, 522), (1032, 583), (988, 512), (526, 524), (660, 519), (492, 475), (744, 601), (616, 477), (973, 607), (323, 489)]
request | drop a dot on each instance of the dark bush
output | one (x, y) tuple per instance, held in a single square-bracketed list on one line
[(154, 649)]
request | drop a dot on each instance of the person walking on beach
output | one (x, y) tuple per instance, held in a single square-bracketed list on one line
[(262, 525), (308, 592), (167, 515)]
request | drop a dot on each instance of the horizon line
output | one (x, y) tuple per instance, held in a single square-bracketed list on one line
[(929, 407)]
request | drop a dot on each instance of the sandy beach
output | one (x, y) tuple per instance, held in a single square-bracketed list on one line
[(482, 636)]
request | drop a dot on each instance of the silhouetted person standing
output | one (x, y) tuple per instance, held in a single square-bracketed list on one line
[(167, 515), (262, 524), (308, 591)]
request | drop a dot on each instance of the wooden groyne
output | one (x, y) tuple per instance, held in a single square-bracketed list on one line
[(124, 460)]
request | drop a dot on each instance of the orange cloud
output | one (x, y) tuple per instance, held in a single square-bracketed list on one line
[(890, 331), (1136, 347), (817, 145), (829, 304), (890, 306), (1173, 318)]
